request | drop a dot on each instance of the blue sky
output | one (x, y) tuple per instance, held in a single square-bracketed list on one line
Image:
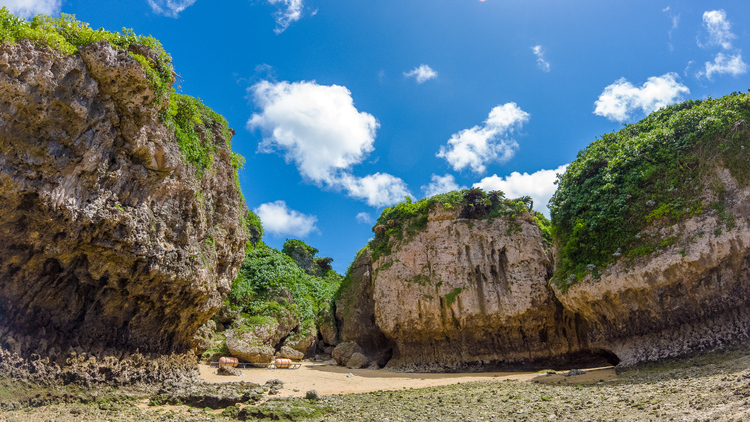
[(344, 107)]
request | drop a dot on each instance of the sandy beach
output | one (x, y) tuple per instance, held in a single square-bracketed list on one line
[(331, 379)]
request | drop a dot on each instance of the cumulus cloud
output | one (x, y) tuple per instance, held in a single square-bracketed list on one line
[(441, 184), (171, 8), (364, 218), (290, 11), (481, 145), (719, 29), (318, 128), (722, 64), (29, 8), (279, 220), (377, 190), (621, 99), (423, 73), (540, 62), (540, 186)]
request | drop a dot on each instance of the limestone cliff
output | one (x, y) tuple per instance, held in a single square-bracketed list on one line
[(470, 294), (691, 295), (110, 239)]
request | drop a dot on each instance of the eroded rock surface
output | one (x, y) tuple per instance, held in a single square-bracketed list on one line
[(466, 293), (109, 239), (694, 294)]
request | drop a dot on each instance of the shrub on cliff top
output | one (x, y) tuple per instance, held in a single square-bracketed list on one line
[(66, 34), (183, 114), (408, 218), (653, 170)]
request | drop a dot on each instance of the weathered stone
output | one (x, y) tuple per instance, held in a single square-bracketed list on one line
[(245, 347), (357, 361), (289, 353), (229, 371), (693, 295), (466, 292), (303, 342), (355, 311), (104, 228), (344, 351)]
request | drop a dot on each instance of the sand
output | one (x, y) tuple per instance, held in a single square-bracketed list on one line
[(329, 379)]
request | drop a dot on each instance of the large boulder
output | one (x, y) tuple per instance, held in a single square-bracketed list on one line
[(470, 293), (247, 348), (344, 351), (110, 239)]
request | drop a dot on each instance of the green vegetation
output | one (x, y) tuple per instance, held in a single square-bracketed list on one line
[(65, 34), (294, 246), (649, 174), (408, 218), (192, 123), (450, 298), (190, 120), (270, 282), (254, 229)]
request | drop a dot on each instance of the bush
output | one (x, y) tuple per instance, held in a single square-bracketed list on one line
[(408, 218), (648, 172)]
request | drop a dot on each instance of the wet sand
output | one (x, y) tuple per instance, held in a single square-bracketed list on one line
[(329, 379)]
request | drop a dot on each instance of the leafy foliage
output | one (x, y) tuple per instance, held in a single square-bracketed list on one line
[(193, 124), (254, 227), (65, 34), (190, 120), (648, 172), (408, 218), (270, 282), (292, 246)]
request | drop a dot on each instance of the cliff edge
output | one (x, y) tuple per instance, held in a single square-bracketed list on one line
[(114, 235)]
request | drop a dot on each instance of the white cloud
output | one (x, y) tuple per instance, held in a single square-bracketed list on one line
[(478, 146), (441, 184), (377, 190), (722, 65), (290, 11), (318, 128), (423, 73), (719, 29), (540, 186), (170, 8), (364, 218), (279, 220), (620, 99), (540, 62), (29, 8)]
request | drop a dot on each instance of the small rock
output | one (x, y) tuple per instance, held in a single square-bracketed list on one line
[(229, 371), (312, 395), (574, 372)]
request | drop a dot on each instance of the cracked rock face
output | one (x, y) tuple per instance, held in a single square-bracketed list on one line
[(690, 296), (109, 239), (470, 293)]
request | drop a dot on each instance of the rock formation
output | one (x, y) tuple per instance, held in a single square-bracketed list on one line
[(466, 292), (355, 312), (110, 239), (692, 295)]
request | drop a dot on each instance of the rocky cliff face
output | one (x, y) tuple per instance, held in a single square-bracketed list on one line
[(355, 311), (109, 239), (692, 295), (470, 293)]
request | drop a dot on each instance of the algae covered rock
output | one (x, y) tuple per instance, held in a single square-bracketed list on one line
[(113, 237)]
